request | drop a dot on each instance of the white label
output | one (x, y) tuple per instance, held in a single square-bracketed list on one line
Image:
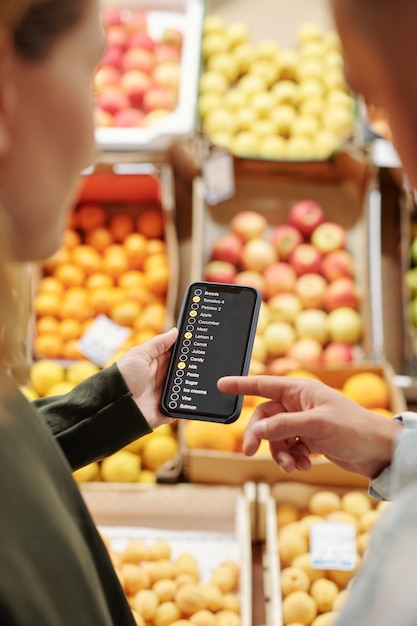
[(218, 175), (333, 545), (101, 340)]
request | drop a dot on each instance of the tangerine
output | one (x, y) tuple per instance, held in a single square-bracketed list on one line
[(50, 284), (88, 258), (140, 293), (71, 350), (98, 279), (125, 312), (69, 274), (90, 216), (367, 389), (60, 257), (135, 246), (157, 280), (143, 335), (47, 304), (155, 260), (151, 223), (47, 324), (71, 239), (156, 246), (115, 261), (101, 300), (48, 345), (153, 316), (99, 238), (131, 278), (121, 226), (70, 328)]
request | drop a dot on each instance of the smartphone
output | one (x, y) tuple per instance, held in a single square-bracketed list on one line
[(217, 326)]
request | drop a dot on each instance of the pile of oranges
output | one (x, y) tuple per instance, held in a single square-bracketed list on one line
[(112, 263)]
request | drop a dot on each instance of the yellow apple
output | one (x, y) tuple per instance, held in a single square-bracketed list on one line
[(213, 82), (312, 106), (245, 117), (263, 102), (312, 50), (283, 117), (220, 120), (208, 101), (288, 60), (214, 43), (235, 98), (286, 92), (325, 144), (237, 33), (245, 143), (225, 63), (244, 54), (311, 88), (310, 68), (273, 147), (221, 139), (300, 148), (309, 31), (267, 70), (305, 126), (267, 50), (263, 128), (213, 23), (337, 120), (251, 84)]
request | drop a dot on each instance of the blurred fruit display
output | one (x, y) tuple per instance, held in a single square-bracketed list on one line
[(261, 101)]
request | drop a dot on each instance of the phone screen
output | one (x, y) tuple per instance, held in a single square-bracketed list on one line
[(216, 331)]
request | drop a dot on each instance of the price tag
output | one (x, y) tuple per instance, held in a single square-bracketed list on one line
[(218, 175), (333, 545), (101, 340)]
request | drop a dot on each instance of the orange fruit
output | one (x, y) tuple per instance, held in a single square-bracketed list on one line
[(70, 239), (76, 306), (156, 246), (115, 261), (155, 260), (151, 223), (131, 278), (121, 226), (98, 279), (47, 324), (143, 335), (384, 412), (99, 238), (70, 274), (61, 257), (140, 293), (209, 436), (102, 299), (152, 316), (47, 304), (70, 350), (70, 328), (125, 312), (157, 280), (90, 216), (367, 389), (87, 258), (302, 374), (48, 345), (50, 284), (135, 246)]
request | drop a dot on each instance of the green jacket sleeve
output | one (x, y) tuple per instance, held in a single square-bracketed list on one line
[(95, 419)]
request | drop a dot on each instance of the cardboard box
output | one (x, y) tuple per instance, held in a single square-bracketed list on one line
[(233, 468), (212, 523), (186, 16)]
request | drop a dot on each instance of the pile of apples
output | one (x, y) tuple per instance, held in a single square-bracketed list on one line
[(259, 100), (310, 312), (137, 81)]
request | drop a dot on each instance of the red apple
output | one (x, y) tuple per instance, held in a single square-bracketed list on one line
[(167, 52), (312, 323), (284, 306), (279, 277), (337, 352), (328, 236), (306, 259), (167, 73), (337, 264), (285, 238), (248, 224), (306, 215), (112, 100), (117, 36), (129, 118), (311, 289), (112, 56), (279, 337), (345, 325), (258, 254), (102, 119), (219, 272), (307, 351), (282, 365), (142, 39), (159, 97), (252, 279), (135, 83), (106, 76), (173, 36), (228, 247), (341, 292), (138, 59), (111, 17), (135, 21)]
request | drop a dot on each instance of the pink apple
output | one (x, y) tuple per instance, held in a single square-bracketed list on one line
[(279, 276), (228, 247), (173, 36), (159, 97), (112, 56), (337, 352), (341, 292), (306, 215), (117, 36), (135, 21), (167, 52), (167, 73), (142, 39), (258, 254), (248, 224), (312, 323), (345, 325), (135, 83), (138, 59), (111, 17), (252, 279), (106, 76), (129, 118), (285, 238), (306, 259), (338, 264), (311, 289), (328, 236), (282, 365), (112, 100), (219, 272), (307, 351), (284, 306), (102, 119), (279, 337)]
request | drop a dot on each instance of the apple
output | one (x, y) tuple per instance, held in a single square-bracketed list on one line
[(159, 97), (259, 350), (258, 254), (117, 36), (141, 39), (306, 215), (166, 52), (135, 83), (337, 264), (219, 272), (256, 368), (248, 224), (137, 59), (328, 236), (102, 118), (281, 365), (112, 56), (112, 100), (345, 325), (228, 247), (129, 118), (167, 73), (341, 292), (173, 36), (311, 289), (279, 276), (111, 17), (155, 116), (307, 351), (284, 306), (337, 352), (106, 76), (252, 279), (306, 259), (279, 337), (285, 238), (263, 317), (312, 323)]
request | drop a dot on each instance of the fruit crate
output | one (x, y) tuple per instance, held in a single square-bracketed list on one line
[(120, 188), (213, 524), (186, 17)]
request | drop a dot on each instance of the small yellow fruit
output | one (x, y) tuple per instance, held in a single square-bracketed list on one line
[(356, 503), (87, 473), (158, 450), (59, 389), (324, 592), (147, 477), (300, 607), (44, 374), (122, 466), (324, 502), (79, 371), (293, 579), (29, 392)]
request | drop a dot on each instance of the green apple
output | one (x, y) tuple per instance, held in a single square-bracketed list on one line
[(411, 280)]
